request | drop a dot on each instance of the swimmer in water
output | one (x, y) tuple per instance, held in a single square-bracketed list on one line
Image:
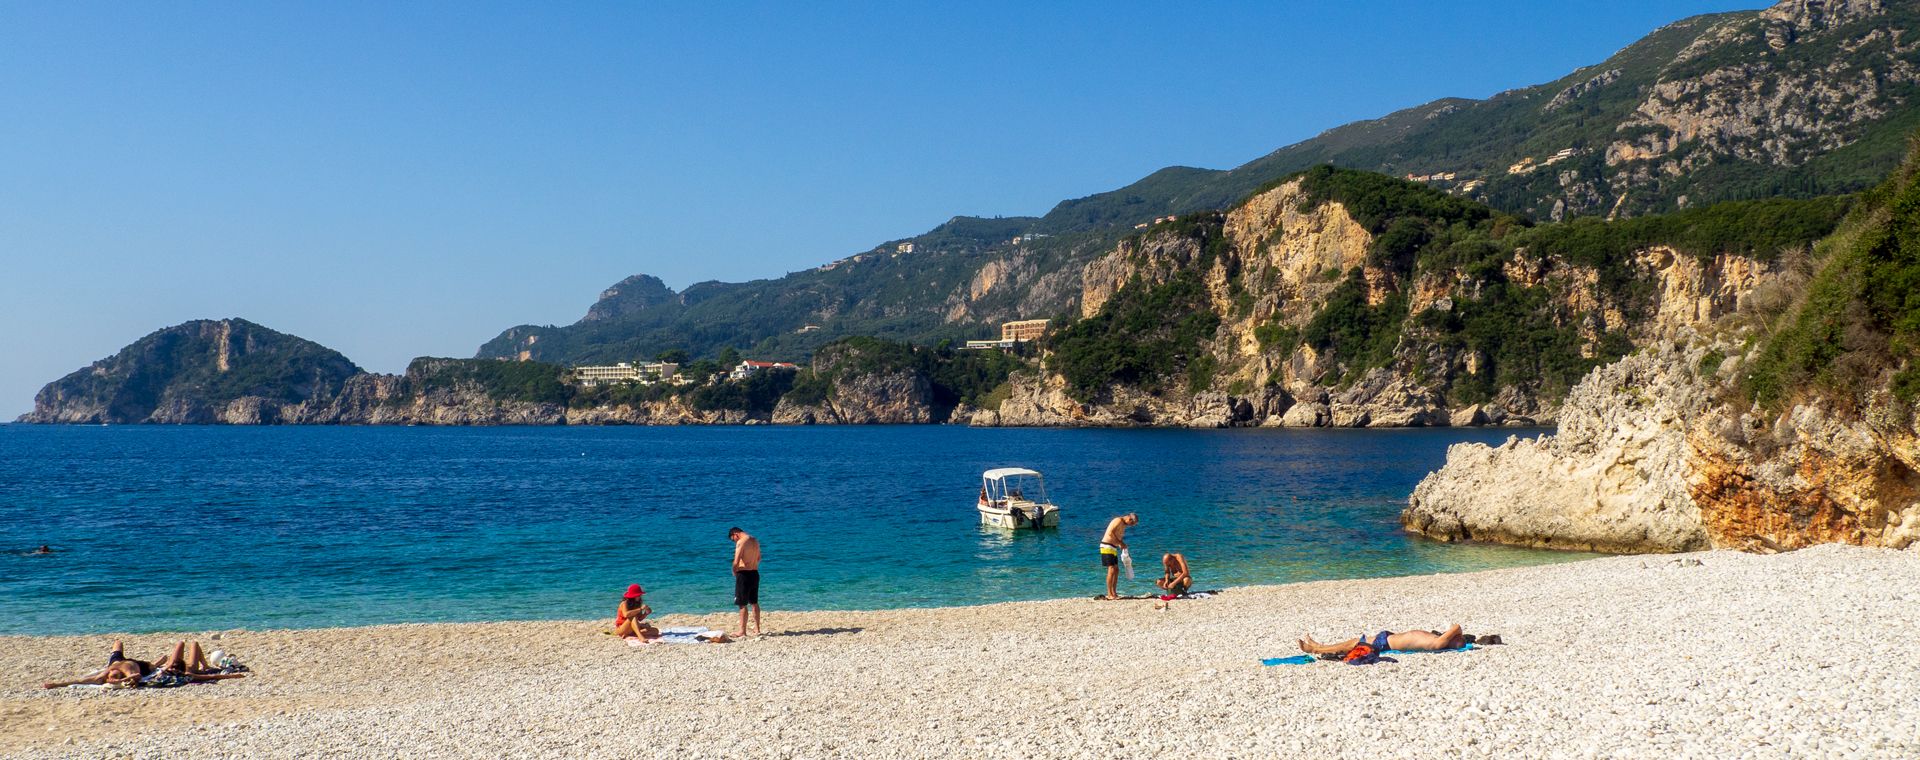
[(44, 549)]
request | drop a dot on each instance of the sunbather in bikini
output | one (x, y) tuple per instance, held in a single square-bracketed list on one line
[(1407, 641), (186, 664), (630, 618)]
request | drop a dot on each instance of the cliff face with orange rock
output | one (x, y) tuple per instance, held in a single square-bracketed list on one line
[(1788, 423), (1652, 456), (1414, 310)]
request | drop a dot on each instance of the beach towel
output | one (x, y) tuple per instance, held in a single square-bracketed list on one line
[(1307, 659), (1461, 648), (687, 634)]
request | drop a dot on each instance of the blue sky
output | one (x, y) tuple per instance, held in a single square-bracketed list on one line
[(403, 179)]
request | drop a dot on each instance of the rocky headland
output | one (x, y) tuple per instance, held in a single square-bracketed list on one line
[(1789, 423)]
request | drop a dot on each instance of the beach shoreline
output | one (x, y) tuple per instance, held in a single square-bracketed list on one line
[(1714, 653)]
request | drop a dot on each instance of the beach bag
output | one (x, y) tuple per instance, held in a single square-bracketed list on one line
[(225, 663)]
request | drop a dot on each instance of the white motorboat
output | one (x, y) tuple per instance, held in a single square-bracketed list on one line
[(1016, 497)]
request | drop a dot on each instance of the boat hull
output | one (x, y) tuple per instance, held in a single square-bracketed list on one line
[(1020, 517)]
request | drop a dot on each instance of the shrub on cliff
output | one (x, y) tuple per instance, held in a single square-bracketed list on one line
[(758, 393), (956, 377), (1141, 336), (501, 379), (1859, 322)]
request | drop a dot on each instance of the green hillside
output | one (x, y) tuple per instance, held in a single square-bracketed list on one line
[(1800, 101)]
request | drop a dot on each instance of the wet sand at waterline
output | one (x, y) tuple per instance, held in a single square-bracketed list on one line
[(1795, 654)]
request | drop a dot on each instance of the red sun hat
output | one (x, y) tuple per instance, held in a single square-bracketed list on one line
[(635, 591)]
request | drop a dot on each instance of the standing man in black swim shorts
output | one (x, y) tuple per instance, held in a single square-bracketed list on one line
[(1112, 543), (746, 577)]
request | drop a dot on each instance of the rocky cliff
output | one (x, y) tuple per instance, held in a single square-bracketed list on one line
[(1651, 456), (1351, 300), (1807, 98), (1790, 422), (200, 372), (239, 373), (868, 382)]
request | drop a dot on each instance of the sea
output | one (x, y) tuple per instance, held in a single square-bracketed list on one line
[(164, 528)]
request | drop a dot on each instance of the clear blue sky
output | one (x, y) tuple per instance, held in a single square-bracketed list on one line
[(402, 179)]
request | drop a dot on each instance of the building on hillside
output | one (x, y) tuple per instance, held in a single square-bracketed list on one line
[(804, 329), (903, 248), (977, 345), (1140, 226), (644, 373), (608, 374), (1023, 330), (750, 367), (1012, 334)]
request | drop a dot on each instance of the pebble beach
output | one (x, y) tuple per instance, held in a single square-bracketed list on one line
[(1715, 654)]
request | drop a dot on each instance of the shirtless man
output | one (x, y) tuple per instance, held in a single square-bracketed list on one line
[(1178, 577), (746, 577), (1111, 544), (1407, 641)]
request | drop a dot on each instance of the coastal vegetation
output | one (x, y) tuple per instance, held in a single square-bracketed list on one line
[(1858, 323), (1589, 146), (531, 382), (182, 373), (953, 377), (1143, 336), (1522, 332)]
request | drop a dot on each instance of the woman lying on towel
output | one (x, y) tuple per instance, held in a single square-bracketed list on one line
[(186, 664), (1407, 641)]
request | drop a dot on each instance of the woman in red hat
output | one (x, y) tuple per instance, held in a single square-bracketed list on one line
[(630, 618)]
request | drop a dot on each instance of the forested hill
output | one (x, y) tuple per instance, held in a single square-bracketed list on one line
[(1807, 98)]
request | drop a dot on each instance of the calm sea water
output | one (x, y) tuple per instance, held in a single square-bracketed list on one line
[(189, 528)]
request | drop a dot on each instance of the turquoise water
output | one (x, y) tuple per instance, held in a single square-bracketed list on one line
[(189, 528)]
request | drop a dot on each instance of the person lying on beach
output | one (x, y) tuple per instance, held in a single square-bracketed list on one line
[(186, 664), (1406, 641), (630, 618), (1178, 577)]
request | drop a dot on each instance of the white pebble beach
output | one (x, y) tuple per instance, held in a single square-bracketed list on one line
[(1811, 653)]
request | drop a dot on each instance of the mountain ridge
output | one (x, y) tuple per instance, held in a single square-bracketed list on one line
[(1802, 99)]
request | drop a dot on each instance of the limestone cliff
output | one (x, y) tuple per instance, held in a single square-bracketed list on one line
[(863, 383), (1652, 456), (1294, 309), (1791, 422)]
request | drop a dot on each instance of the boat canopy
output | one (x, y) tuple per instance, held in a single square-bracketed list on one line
[(1008, 472)]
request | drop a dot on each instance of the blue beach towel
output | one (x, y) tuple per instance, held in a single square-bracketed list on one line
[(1461, 648)]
